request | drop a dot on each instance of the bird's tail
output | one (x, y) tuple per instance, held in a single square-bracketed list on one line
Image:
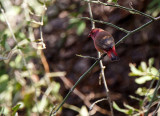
[(112, 54)]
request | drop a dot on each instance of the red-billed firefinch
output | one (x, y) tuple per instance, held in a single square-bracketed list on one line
[(104, 42)]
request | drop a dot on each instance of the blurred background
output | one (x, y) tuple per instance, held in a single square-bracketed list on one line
[(39, 40)]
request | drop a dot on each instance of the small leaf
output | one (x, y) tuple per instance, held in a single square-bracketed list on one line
[(114, 1), (18, 59), (81, 27), (115, 106), (4, 39), (4, 79), (132, 74), (73, 20), (134, 70), (84, 111), (151, 62), (144, 66), (56, 88), (15, 109), (1, 111), (135, 98), (153, 71), (143, 91), (143, 79), (7, 47), (130, 107)]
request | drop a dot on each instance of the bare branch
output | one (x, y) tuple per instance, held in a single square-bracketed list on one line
[(122, 7), (106, 23), (102, 67)]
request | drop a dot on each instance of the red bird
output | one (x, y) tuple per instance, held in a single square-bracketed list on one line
[(104, 42)]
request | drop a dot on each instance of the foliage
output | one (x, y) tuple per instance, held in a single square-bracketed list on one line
[(143, 74), (24, 87), (154, 8)]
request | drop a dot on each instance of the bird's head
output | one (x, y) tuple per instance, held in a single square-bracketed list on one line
[(94, 32)]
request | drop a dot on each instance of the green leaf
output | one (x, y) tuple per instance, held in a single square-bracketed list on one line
[(130, 107), (15, 109), (151, 62), (142, 91), (83, 111), (143, 79), (144, 66), (81, 27), (7, 47), (73, 23), (115, 106), (18, 59), (41, 105), (135, 98), (4, 39), (4, 79), (56, 87), (152, 71), (114, 1), (1, 111), (29, 99), (73, 20), (134, 70)]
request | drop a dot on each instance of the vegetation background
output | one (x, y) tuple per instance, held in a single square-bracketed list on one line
[(39, 41)]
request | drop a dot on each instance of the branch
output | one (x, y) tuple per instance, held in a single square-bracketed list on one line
[(91, 15), (102, 67), (85, 99), (131, 32), (157, 108), (86, 57), (157, 18), (154, 95), (100, 100), (106, 23), (71, 90), (122, 7)]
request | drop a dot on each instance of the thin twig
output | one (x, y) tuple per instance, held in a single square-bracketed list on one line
[(101, 65), (91, 15), (54, 113), (154, 95), (86, 57), (9, 26), (106, 23), (146, 95), (105, 85), (151, 85), (122, 7), (85, 99), (157, 18), (154, 114), (91, 107), (131, 32)]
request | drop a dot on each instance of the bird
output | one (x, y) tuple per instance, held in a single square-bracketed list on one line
[(104, 42)]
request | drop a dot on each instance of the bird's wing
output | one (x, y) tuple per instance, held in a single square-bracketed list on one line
[(104, 41)]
